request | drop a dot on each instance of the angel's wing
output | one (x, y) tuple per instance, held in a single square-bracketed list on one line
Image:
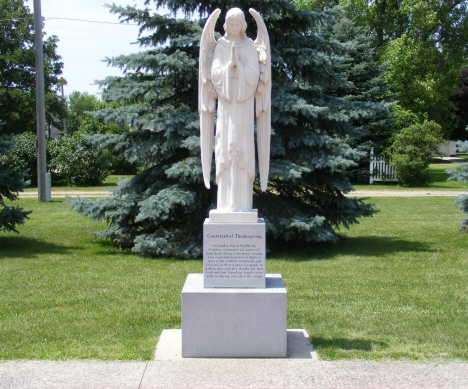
[(263, 99), (207, 95)]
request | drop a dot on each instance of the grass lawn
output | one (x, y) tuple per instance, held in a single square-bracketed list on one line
[(437, 172), (438, 180), (394, 288)]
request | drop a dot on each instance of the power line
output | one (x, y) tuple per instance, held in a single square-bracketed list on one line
[(94, 21)]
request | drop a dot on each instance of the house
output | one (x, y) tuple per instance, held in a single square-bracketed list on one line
[(52, 132)]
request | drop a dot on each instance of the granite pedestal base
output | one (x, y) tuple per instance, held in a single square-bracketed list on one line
[(234, 323), (217, 216)]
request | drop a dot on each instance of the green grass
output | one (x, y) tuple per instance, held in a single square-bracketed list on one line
[(109, 183), (438, 180), (437, 172), (394, 288)]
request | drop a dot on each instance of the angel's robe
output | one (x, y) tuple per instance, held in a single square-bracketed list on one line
[(234, 140)]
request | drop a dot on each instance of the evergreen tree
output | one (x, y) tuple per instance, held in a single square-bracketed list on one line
[(11, 182), (460, 174), (160, 211), (366, 85)]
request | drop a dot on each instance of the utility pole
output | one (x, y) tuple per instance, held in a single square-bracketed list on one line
[(64, 120), (40, 103)]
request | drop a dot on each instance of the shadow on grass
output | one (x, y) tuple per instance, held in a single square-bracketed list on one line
[(348, 344), (18, 246), (355, 246), (106, 248)]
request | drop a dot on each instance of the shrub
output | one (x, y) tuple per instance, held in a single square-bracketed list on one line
[(72, 160), (411, 150), (23, 156), (75, 162)]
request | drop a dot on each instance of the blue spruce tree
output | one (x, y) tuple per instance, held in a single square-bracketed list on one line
[(460, 174), (160, 211), (367, 86), (12, 181)]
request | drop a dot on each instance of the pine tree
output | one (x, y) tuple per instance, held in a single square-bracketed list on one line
[(367, 86), (11, 182), (160, 211)]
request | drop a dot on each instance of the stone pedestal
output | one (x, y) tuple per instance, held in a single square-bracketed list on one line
[(234, 323), (217, 216), (234, 254)]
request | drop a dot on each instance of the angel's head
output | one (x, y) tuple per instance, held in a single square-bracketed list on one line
[(235, 23)]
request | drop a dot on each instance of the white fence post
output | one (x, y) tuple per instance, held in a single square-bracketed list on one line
[(371, 168), (379, 170)]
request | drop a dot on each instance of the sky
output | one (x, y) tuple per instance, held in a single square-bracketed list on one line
[(84, 45)]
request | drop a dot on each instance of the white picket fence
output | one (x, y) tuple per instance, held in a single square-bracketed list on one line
[(380, 170)]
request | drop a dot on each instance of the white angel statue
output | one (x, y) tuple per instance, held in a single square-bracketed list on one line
[(235, 70)]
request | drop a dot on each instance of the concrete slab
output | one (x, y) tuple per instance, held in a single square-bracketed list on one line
[(71, 375), (169, 347), (366, 375), (196, 373), (299, 345), (234, 373)]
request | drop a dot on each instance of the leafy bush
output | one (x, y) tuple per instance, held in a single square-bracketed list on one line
[(75, 162), (411, 150), (72, 160), (23, 156)]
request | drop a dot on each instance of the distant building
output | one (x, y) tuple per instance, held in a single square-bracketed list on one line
[(53, 132), (446, 149)]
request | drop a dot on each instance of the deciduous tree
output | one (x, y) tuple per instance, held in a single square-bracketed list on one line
[(460, 108), (424, 43), (17, 71)]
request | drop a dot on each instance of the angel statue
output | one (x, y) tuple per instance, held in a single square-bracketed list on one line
[(236, 71)]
